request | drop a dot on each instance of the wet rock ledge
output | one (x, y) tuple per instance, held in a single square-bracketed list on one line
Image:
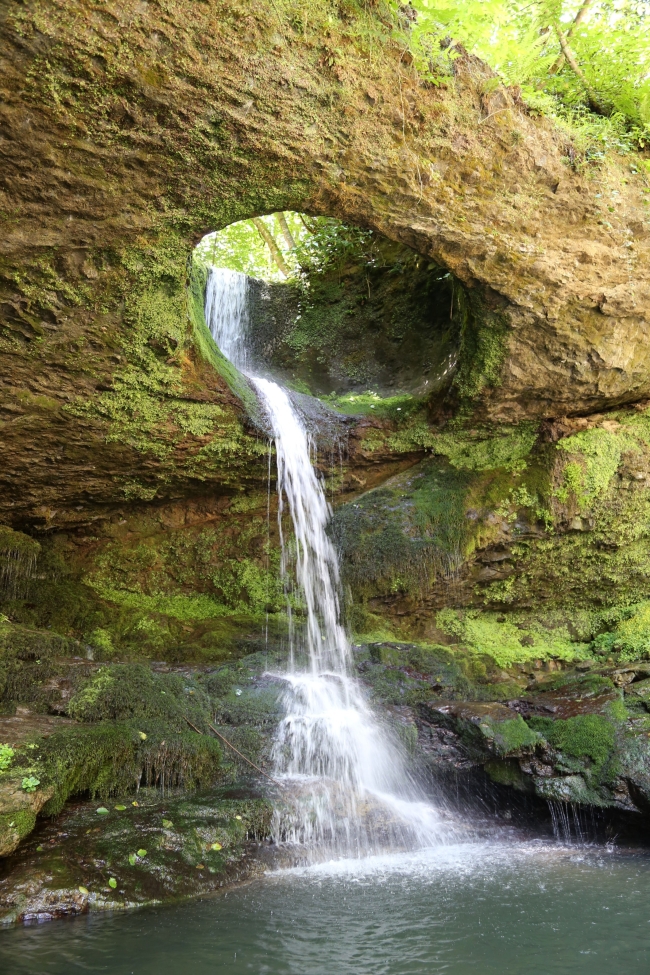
[(133, 852), (575, 732)]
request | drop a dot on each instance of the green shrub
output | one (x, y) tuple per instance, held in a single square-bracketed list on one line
[(6, 757)]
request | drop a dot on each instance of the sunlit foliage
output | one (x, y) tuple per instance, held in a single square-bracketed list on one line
[(585, 60), (293, 245)]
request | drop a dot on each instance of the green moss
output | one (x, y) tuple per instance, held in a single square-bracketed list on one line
[(578, 685), (403, 536), (487, 448), (132, 691), (18, 555), (258, 708), (147, 406), (508, 773), (112, 757), (589, 736), (509, 736), (168, 594), (630, 638), (177, 605), (483, 346), (29, 659), (511, 640), (14, 544), (16, 825), (399, 409), (600, 454), (365, 329)]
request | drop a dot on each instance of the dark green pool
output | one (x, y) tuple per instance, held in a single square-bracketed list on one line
[(489, 909)]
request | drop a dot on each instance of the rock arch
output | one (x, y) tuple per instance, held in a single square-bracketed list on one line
[(129, 129)]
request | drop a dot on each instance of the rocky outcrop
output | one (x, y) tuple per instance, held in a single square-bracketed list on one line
[(129, 130), (572, 733), (130, 447), (136, 852)]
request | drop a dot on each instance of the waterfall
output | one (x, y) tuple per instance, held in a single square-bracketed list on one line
[(347, 788), (226, 311)]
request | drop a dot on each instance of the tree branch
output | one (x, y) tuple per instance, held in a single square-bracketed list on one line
[(595, 103), (579, 17), (284, 228)]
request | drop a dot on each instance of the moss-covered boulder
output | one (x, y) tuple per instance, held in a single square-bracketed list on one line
[(557, 730), (122, 726), (136, 851)]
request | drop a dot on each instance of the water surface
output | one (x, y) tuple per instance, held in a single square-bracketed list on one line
[(473, 909)]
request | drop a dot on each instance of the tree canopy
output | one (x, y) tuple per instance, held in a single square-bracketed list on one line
[(587, 61), (286, 245)]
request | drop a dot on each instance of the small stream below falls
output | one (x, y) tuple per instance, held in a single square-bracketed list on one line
[(489, 909)]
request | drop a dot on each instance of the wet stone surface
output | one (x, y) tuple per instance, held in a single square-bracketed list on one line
[(135, 851)]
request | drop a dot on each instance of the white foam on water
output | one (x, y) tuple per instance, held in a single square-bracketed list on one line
[(465, 859)]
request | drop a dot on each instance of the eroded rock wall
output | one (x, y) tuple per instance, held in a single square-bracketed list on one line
[(130, 129)]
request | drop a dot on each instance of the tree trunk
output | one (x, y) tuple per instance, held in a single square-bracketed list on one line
[(579, 17), (270, 241), (284, 229), (595, 102)]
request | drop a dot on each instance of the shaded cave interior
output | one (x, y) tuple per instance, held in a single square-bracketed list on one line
[(359, 320)]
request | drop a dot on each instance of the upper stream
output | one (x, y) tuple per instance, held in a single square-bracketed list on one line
[(347, 790)]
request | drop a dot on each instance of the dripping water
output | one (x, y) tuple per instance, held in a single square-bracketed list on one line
[(348, 790)]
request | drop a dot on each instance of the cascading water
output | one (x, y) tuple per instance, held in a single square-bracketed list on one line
[(348, 789)]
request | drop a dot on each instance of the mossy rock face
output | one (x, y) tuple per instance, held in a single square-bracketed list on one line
[(507, 520), (555, 729), (113, 388), (124, 414), (184, 583), (132, 726), (386, 326), (131, 448), (18, 555), (152, 848)]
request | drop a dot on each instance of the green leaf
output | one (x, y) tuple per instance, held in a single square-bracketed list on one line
[(6, 756), (112, 883), (103, 811), (132, 859), (216, 846), (142, 853), (83, 890), (120, 808), (167, 823), (30, 783)]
